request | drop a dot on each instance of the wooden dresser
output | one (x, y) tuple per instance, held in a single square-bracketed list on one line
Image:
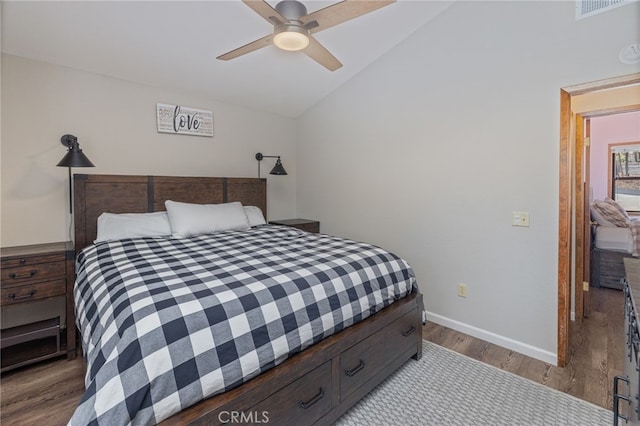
[(626, 394), (33, 273)]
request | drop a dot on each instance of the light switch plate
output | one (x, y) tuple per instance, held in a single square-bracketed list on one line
[(520, 219)]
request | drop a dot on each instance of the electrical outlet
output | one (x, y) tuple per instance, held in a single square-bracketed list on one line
[(462, 290)]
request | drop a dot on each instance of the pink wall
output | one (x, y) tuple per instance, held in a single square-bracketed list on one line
[(604, 131)]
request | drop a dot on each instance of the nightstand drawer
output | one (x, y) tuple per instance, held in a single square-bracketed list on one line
[(12, 277), (26, 293), (31, 260)]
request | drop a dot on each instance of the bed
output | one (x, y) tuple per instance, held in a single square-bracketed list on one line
[(327, 356), (614, 236)]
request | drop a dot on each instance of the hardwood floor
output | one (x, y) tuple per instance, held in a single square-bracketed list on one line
[(42, 394), (596, 352), (47, 393)]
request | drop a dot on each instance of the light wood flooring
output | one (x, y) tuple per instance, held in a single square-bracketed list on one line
[(596, 352), (48, 392)]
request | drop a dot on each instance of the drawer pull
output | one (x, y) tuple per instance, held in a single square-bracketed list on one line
[(308, 404), (616, 399), (409, 331), (356, 370), (21, 277), (12, 296)]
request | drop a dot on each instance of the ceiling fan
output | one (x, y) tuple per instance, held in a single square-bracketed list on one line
[(293, 26)]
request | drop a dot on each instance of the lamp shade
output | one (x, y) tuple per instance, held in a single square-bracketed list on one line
[(74, 156), (278, 169)]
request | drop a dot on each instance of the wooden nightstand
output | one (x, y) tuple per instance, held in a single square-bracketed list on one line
[(302, 224), (31, 273)]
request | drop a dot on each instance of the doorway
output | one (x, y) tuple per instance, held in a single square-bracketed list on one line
[(614, 98)]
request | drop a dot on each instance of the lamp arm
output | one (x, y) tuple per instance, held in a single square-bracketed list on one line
[(259, 156)]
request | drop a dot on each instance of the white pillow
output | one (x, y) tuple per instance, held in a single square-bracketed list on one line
[(254, 215), (190, 219), (612, 212), (618, 207), (113, 226), (599, 218)]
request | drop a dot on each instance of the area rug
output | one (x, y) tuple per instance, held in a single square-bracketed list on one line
[(446, 388)]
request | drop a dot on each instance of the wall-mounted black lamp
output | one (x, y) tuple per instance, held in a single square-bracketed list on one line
[(73, 158), (278, 169)]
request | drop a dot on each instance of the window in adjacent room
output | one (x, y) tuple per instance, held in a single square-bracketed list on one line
[(625, 175)]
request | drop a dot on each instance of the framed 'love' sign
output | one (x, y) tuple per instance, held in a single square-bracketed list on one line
[(183, 120)]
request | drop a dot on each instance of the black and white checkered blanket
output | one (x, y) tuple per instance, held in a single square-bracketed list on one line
[(168, 322)]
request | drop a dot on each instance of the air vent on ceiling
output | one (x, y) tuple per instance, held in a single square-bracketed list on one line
[(586, 8)]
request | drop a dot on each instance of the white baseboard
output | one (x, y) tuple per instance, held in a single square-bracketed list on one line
[(505, 342)]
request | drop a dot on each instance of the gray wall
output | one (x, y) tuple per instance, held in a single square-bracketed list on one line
[(430, 149), (115, 123)]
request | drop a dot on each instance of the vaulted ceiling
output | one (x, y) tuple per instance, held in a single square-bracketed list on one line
[(174, 45)]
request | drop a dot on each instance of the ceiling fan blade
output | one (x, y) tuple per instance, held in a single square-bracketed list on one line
[(321, 55), (342, 12), (263, 9), (248, 48)]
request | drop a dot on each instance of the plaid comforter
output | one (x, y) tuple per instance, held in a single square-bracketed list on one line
[(167, 322)]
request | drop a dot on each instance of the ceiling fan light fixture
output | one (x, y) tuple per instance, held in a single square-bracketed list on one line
[(293, 26), (291, 37)]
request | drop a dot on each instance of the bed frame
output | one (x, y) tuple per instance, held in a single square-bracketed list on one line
[(315, 386)]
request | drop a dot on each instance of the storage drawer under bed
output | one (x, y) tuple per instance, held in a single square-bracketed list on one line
[(362, 361)]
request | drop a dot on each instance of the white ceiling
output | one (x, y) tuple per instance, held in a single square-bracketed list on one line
[(174, 44)]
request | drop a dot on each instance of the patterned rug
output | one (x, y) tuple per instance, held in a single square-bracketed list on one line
[(446, 388)]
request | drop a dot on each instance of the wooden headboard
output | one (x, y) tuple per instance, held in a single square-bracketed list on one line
[(95, 194)]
